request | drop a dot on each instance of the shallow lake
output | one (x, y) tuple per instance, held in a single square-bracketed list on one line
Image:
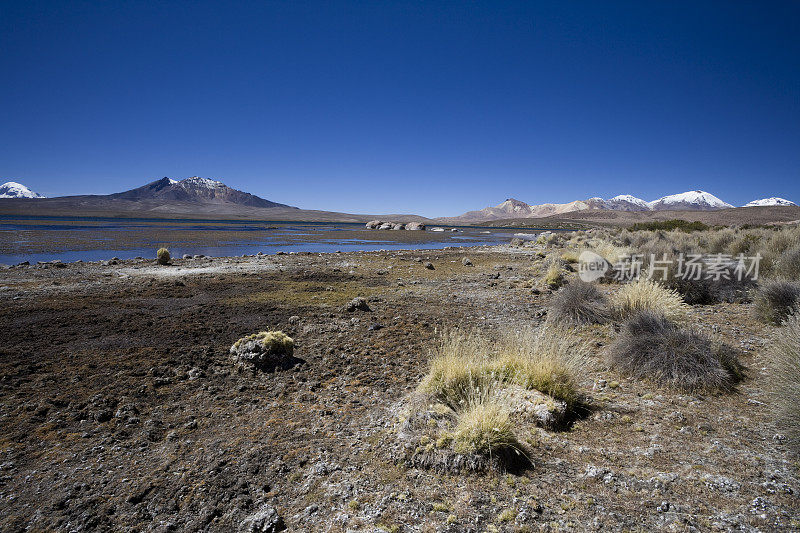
[(35, 238)]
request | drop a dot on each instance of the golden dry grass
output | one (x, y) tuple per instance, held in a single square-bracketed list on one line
[(784, 378), (548, 360), (647, 295), (162, 255), (484, 426)]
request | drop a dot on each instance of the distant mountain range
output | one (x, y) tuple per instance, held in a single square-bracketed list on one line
[(207, 197), (687, 201), (193, 197)]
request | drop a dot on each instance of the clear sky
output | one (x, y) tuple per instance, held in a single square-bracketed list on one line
[(432, 108)]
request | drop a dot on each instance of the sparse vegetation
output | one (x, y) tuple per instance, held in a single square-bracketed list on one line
[(784, 378), (554, 277), (269, 341), (647, 295), (667, 225), (788, 264), (652, 347), (162, 256), (547, 360), (579, 303), (775, 300), (484, 427)]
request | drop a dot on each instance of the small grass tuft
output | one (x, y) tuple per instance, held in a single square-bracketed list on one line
[(554, 277), (162, 256)]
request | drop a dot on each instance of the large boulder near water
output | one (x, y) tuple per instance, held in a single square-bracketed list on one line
[(373, 224), (415, 226), (266, 350)]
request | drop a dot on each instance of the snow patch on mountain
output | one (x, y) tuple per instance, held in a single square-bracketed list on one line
[(768, 202), (631, 199), (204, 183), (12, 189), (689, 200)]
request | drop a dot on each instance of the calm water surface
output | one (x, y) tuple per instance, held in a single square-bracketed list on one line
[(92, 239)]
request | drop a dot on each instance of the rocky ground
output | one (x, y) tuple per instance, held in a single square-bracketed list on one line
[(121, 409)]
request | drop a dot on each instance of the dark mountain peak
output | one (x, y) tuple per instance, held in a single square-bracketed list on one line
[(194, 190)]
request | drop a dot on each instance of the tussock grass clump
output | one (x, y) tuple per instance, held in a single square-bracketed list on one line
[(268, 341), (484, 427), (477, 382), (646, 295), (162, 256), (610, 252), (554, 277), (652, 347), (788, 263), (784, 379), (548, 360), (774, 300), (579, 303), (570, 256), (454, 374)]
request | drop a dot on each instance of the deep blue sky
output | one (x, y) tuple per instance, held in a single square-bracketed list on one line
[(433, 108)]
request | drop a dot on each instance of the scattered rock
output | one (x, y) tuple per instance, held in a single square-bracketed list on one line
[(266, 350), (466, 262), (357, 304), (429, 265), (265, 520), (539, 408)]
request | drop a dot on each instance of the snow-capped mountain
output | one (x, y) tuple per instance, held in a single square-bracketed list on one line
[(12, 189), (768, 202), (627, 202), (194, 190), (691, 200)]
